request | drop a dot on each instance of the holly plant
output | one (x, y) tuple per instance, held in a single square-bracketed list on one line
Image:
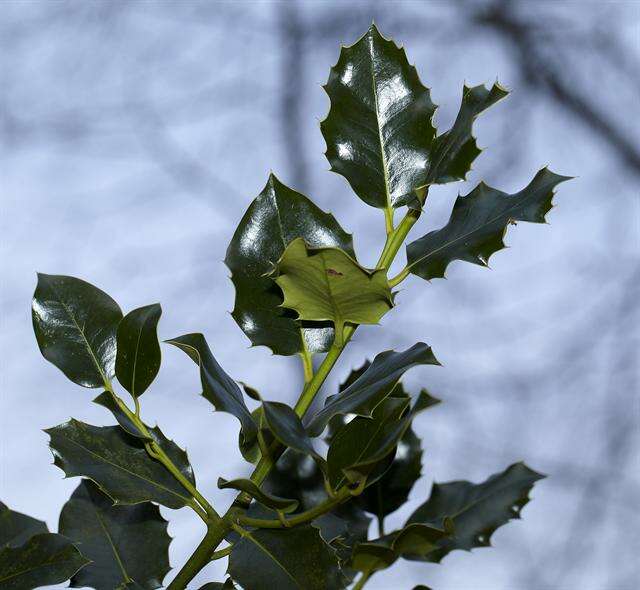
[(321, 471)]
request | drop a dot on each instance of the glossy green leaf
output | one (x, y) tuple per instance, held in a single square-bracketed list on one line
[(287, 427), (287, 559), (44, 560), (124, 543), (117, 462), (373, 386), (217, 387), (106, 400), (478, 224), (328, 285), (477, 510), (454, 151), (379, 129), (276, 217), (361, 446), (16, 528), (364, 438), (270, 500), (138, 356), (75, 325), (413, 540)]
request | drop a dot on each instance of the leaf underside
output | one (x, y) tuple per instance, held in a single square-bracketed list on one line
[(276, 217), (328, 285)]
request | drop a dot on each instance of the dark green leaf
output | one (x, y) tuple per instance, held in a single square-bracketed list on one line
[(106, 400), (365, 439), (287, 559), (75, 325), (373, 386), (276, 217), (117, 462), (44, 560), (131, 585), (477, 510), (478, 223), (266, 499), (392, 490), (412, 540), (138, 358), (217, 387), (16, 528), (286, 426), (124, 543), (454, 151), (227, 585), (328, 285), (379, 129)]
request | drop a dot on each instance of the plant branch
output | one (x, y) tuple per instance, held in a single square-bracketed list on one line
[(217, 531), (362, 581), (298, 519)]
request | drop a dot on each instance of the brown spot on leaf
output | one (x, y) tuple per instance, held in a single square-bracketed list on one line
[(332, 272)]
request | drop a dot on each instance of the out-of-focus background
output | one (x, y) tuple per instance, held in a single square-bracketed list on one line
[(134, 136)]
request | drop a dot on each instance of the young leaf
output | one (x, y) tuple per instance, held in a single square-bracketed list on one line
[(117, 462), (477, 510), (328, 285), (276, 217), (379, 129), (373, 386), (286, 426), (105, 399), (138, 357), (123, 542), (288, 559), (478, 223), (44, 560), (269, 500), (217, 387), (75, 325), (454, 151), (16, 528)]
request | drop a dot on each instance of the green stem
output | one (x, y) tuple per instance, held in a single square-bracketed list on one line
[(388, 219), (298, 519), (401, 276), (307, 365), (201, 556), (222, 553), (217, 530), (362, 581), (155, 450)]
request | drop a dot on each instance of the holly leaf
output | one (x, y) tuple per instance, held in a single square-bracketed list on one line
[(276, 217), (328, 285), (118, 463), (379, 129), (75, 326), (226, 585), (287, 559), (138, 356), (217, 387), (44, 560), (16, 528), (124, 543), (476, 510), (454, 151), (269, 500), (478, 224), (287, 427), (106, 400), (373, 386), (359, 449)]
